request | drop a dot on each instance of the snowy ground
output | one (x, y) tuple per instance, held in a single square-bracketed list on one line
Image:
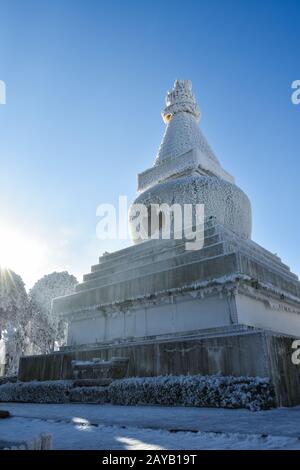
[(118, 427)]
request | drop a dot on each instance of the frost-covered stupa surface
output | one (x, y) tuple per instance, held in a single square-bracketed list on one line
[(231, 307)]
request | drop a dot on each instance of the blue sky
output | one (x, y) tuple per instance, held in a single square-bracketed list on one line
[(86, 81)]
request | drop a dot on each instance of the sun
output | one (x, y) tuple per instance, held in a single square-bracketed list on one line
[(20, 253)]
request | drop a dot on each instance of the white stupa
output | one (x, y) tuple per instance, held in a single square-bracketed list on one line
[(186, 171), (159, 288), (231, 307)]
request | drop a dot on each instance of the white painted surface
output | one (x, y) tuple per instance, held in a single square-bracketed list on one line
[(180, 315), (257, 313)]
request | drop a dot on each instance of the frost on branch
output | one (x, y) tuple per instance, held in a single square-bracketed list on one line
[(14, 319), (48, 332), (27, 325)]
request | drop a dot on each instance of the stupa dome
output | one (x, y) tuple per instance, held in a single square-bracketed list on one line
[(223, 201)]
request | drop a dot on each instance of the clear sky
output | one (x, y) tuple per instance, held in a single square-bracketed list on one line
[(86, 81)]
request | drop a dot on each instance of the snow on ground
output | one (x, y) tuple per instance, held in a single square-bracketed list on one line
[(80, 435), (110, 427)]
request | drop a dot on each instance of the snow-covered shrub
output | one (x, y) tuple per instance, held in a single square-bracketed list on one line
[(253, 393), (89, 395), (57, 391)]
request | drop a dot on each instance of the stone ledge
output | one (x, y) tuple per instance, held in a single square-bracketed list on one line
[(147, 285), (174, 167)]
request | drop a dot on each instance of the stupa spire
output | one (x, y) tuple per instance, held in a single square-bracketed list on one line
[(180, 99), (184, 149), (182, 134)]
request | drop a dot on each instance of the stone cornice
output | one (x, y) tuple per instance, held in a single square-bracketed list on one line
[(225, 287)]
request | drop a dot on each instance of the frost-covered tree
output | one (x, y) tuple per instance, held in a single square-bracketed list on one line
[(14, 318), (47, 331)]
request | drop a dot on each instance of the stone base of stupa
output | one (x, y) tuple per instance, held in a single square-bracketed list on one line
[(230, 351), (231, 308), (158, 288)]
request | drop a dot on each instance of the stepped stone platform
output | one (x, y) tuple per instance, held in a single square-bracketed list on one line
[(158, 287)]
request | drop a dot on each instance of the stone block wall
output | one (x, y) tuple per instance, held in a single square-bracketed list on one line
[(253, 353)]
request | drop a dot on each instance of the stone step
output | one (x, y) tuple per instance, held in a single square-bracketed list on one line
[(175, 278), (154, 267), (146, 258), (263, 256), (177, 255), (169, 337), (266, 274), (279, 268), (150, 245), (253, 246)]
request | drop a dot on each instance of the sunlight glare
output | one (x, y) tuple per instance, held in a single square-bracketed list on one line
[(19, 253)]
